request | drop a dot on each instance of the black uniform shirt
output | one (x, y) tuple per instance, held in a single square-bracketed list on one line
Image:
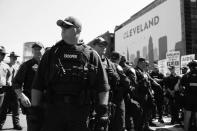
[(99, 81), (25, 75), (171, 81), (189, 81)]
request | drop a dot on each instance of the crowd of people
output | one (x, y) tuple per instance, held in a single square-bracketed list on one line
[(74, 87)]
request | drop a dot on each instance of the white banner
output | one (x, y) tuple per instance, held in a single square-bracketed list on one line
[(162, 65), (186, 59), (173, 59)]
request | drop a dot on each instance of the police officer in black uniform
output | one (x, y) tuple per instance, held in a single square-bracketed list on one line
[(23, 80), (172, 94), (100, 45), (118, 122), (144, 91), (158, 91), (70, 73), (133, 113), (189, 83)]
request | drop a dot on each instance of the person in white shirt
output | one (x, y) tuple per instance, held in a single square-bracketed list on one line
[(11, 101), (4, 73)]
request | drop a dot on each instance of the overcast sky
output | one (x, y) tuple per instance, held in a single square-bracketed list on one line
[(35, 20)]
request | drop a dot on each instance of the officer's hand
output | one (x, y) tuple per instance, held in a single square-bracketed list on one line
[(25, 100)]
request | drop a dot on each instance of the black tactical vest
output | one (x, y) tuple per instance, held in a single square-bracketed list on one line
[(69, 69), (191, 83)]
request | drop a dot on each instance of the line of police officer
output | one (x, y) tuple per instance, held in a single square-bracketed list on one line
[(131, 98), (73, 78), (147, 90)]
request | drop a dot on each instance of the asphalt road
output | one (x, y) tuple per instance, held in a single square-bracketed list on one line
[(166, 127), (8, 126)]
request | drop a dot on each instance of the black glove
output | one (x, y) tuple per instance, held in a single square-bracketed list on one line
[(110, 72), (113, 77), (102, 120)]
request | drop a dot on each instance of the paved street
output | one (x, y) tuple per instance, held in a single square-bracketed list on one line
[(8, 124), (161, 127)]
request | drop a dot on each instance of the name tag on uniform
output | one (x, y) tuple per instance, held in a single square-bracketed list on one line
[(70, 56), (193, 84)]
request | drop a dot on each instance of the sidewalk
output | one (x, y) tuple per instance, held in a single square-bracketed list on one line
[(166, 127), (8, 126)]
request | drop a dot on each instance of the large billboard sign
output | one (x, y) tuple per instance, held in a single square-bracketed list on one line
[(152, 34)]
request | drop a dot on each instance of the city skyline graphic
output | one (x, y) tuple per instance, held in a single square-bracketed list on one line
[(153, 51)]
